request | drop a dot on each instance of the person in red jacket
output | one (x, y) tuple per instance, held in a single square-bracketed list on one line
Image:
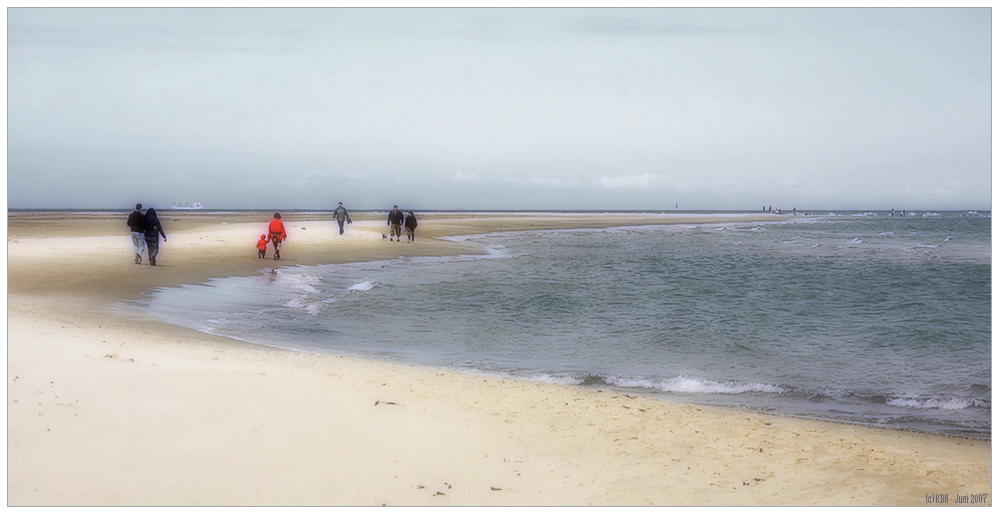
[(262, 246), (278, 234)]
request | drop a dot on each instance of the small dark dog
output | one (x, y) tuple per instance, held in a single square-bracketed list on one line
[(384, 236)]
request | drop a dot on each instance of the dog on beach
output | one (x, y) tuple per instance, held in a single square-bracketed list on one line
[(384, 236)]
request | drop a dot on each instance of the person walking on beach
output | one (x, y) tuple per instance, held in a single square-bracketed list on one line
[(341, 214), (154, 229), (278, 234), (137, 225), (410, 227), (395, 218), (262, 246)]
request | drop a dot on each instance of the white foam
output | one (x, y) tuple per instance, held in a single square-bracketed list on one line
[(950, 404), (856, 241), (556, 379), (302, 303), (683, 384), (302, 281), (363, 286), (931, 215), (886, 234), (495, 252)]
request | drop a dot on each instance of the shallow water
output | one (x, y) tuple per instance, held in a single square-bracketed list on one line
[(865, 319)]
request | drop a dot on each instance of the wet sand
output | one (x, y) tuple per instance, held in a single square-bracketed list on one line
[(108, 409)]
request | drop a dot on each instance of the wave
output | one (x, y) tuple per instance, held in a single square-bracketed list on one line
[(302, 281), (363, 286), (302, 303), (939, 403), (678, 384), (684, 384)]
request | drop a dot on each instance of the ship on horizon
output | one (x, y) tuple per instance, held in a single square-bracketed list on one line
[(175, 205)]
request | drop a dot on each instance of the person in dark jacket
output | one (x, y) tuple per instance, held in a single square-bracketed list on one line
[(341, 214), (154, 229), (410, 227), (395, 218), (137, 225)]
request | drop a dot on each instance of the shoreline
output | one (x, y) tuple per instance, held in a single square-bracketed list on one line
[(542, 376), (624, 448)]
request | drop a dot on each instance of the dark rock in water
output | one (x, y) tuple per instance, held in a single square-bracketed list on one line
[(594, 380)]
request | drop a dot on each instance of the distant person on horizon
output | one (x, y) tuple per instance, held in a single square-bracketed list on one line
[(410, 227), (341, 214), (278, 234), (262, 246), (395, 219), (137, 225), (154, 229)]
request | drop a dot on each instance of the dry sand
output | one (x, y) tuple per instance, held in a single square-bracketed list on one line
[(107, 409)]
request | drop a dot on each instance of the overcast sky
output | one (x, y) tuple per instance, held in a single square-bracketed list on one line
[(500, 108)]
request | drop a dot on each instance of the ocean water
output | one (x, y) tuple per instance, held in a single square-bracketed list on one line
[(853, 317)]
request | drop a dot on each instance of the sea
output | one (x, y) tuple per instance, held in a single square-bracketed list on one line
[(854, 317)]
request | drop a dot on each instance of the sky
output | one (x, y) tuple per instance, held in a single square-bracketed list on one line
[(485, 109)]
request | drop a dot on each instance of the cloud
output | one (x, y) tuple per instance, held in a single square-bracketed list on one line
[(548, 182), (133, 39), (461, 177), (945, 190), (643, 181), (623, 26)]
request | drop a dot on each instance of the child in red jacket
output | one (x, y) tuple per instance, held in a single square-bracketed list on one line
[(262, 247)]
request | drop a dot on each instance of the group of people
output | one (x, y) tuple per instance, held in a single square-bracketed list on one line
[(276, 234), (396, 221), (770, 209), (146, 231)]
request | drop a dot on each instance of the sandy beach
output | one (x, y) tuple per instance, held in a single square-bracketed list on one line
[(105, 408)]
